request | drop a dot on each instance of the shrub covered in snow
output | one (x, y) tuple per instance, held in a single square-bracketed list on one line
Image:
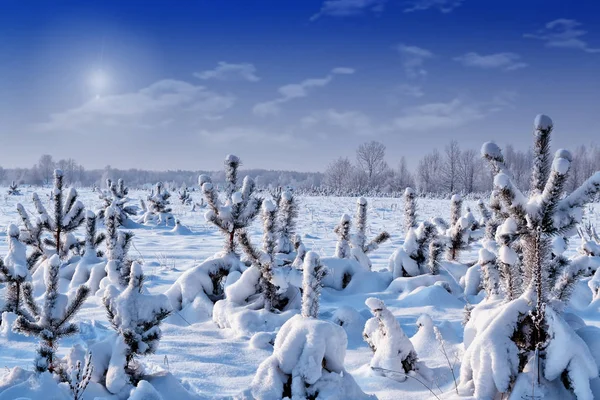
[(158, 211), (51, 321), (239, 208), (394, 355), (287, 206), (67, 215), (14, 273), (13, 189), (359, 246), (308, 355), (115, 195), (136, 317), (529, 329)]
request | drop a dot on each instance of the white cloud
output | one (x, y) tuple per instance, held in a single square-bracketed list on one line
[(239, 133), (413, 58), (157, 102), (230, 72), (563, 33), (296, 90), (505, 61), (409, 90), (451, 114), (347, 8), (444, 6), (352, 121)]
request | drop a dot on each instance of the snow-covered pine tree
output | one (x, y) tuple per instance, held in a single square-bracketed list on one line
[(158, 207), (14, 272), (412, 258), (136, 317), (184, 196), (13, 189), (395, 355), (117, 247), (286, 221), (342, 230), (359, 246), (529, 330), (240, 206), (265, 259), (67, 215), (410, 209), (93, 239), (116, 196), (311, 285), (300, 250), (308, 355), (51, 321)]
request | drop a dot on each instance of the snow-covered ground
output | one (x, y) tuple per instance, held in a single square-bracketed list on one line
[(215, 363)]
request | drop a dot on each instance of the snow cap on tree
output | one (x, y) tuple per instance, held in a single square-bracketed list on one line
[(542, 123)]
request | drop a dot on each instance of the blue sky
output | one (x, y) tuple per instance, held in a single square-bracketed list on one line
[(289, 84)]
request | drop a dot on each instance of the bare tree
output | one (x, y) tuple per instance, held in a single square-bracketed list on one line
[(338, 174), (451, 167), (370, 158), (428, 172), (46, 168), (467, 170)]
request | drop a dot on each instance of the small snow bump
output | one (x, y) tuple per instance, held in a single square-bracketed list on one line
[(375, 304), (490, 149), (202, 179), (486, 256), (230, 158), (501, 180), (561, 165), (89, 214), (425, 321), (542, 122), (237, 198), (563, 153), (268, 205), (12, 230)]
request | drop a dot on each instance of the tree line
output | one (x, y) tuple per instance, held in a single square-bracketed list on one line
[(451, 170)]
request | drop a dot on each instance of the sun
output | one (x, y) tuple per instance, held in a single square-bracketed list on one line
[(98, 82)]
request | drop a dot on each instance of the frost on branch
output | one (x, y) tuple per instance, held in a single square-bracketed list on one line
[(136, 317), (239, 208), (51, 320), (358, 244)]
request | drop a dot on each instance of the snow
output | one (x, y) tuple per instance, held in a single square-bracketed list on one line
[(561, 165), (542, 122), (206, 361), (491, 149)]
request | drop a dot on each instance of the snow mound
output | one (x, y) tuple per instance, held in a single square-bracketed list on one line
[(307, 361)]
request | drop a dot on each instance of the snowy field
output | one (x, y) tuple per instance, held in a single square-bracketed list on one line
[(217, 363)]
